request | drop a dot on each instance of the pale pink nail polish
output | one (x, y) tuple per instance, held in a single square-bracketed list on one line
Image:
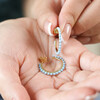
[(66, 32), (48, 28), (67, 29)]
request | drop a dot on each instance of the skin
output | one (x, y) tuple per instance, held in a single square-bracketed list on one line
[(82, 15), (21, 44)]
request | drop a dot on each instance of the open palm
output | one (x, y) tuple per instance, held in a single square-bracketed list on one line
[(22, 42)]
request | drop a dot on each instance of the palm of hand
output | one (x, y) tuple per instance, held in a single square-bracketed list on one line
[(78, 78)]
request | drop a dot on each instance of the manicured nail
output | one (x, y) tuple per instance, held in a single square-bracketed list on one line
[(66, 32), (93, 97), (68, 29), (48, 28)]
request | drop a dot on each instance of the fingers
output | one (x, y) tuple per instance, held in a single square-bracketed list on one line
[(89, 40), (76, 54), (46, 14), (83, 39), (69, 14), (90, 61), (89, 18), (90, 36), (10, 85), (93, 82), (52, 94)]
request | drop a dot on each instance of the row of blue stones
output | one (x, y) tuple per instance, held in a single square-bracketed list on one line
[(53, 73), (60, 42)]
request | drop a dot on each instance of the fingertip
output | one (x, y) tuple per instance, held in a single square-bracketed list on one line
[(66, 32), (48, 28), (50, 24)]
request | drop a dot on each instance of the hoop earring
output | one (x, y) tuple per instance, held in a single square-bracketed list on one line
[(55, 72), (57, 51)]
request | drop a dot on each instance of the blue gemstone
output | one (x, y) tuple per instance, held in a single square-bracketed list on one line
[(51, 74), (61, 69), (64, 63), (43, 71), (39, 65), (54, 73), (60, 44), (48, 73), (57, 73)]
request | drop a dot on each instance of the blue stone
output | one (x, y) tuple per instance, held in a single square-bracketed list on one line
[(43, 71), (61, 69), (57, 73), (51, 74), (48, 73), (54, 73)]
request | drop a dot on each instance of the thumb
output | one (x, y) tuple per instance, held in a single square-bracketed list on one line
[(10, 85), (90, 61), (46, 14), (69, 15)]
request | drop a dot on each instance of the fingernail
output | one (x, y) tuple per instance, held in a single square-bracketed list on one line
[(67, 29), (48, 28), (66, 32), (93, 97)]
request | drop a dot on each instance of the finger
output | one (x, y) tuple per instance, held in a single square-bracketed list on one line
[(52, 94), (46, 14), (83, 39), (83, 58), (70, 53), (10, 85), (89, 40), (92, 82), (90, 61), (89, 18), (69, 14)]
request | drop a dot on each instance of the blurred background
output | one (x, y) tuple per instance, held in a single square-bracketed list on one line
[(11, 9)]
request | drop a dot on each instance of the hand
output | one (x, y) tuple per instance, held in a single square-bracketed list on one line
[(90, 36), (21, 44), (73, 16)]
